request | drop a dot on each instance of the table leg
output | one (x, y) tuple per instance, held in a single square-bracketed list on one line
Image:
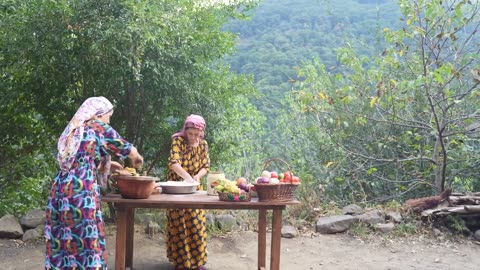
[(276, 239), (121, 237), (262, 238), (130, 233)]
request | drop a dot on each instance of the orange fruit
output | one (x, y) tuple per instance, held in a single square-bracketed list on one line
[(241, 180)]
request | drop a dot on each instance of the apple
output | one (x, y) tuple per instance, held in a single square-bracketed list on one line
[(266, 174), (273, 174)]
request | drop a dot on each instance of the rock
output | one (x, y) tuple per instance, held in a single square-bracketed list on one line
[(10, 227), (437, 232), (394, 216), (334, 224), (152, 228), (385, 227), (372, 217), (33, 218), (210, 219), (41, 230), (226, 222), (31, 235), (352, 209), (476, 235), (289, 231)]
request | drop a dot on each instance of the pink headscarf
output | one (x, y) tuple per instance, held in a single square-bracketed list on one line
[(192, 121), (70, 140)]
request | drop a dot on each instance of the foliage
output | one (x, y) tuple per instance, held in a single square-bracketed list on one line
[(399, 121), (361, 230), (158, 61), (404, 229), (455, 224)]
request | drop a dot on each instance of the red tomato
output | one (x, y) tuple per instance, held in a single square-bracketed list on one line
[(295, 180), (273, 174), (287, 177)]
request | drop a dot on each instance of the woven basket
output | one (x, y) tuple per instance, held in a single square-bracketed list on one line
[(231, 197), (276, 192)]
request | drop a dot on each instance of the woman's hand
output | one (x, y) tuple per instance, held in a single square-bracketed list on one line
[(136, 158), (196, 178), (182, 173), (115, 167), (138, 162)]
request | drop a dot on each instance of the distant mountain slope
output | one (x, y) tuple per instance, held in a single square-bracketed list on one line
[(283, 33)]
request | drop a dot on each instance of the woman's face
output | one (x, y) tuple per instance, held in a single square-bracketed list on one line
[(193, 135), (106, 117)]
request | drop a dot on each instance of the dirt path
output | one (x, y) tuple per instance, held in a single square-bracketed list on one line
[(238, 251)]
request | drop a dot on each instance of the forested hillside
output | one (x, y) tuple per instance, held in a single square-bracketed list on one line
[(282, 34)]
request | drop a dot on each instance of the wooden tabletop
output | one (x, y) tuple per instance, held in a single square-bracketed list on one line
[(199, 200)]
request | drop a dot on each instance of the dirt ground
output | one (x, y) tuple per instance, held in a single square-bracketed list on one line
[(238, 251)]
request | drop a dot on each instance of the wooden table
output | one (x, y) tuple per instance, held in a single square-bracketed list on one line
[(199, 200)]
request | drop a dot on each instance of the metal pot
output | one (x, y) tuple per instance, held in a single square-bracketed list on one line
[(178, 187), (135, 187)]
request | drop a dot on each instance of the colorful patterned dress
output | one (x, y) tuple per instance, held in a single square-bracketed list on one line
[(186, 228), (74, 227)]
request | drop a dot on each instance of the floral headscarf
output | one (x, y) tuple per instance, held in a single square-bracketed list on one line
[(192, 121), (70, 140)]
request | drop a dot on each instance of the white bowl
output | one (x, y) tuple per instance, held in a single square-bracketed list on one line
[(178, 187)]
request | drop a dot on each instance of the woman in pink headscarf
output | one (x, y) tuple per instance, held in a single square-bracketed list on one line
[(74, 226), (186, 228)]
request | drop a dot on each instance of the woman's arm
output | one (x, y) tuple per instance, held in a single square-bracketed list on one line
[(200, 174)]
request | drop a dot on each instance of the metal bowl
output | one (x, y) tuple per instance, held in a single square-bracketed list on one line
[(178, 187), (135, 187)]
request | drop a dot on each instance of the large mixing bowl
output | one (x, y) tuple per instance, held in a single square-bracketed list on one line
[(135, 187), (178, 187)]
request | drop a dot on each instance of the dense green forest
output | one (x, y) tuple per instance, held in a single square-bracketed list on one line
[(367, 101), (281, 35)]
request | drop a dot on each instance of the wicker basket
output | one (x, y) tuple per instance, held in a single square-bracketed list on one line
[(276, 192), (231, 197)]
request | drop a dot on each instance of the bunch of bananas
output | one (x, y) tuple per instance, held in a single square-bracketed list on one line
[(225, 185)]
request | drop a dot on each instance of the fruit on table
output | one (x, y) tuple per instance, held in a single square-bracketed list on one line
[(274, 181), (295, 180), (241, 180), (225, 185), (287, 178), (243, 186), (265, 173), (262, 180)]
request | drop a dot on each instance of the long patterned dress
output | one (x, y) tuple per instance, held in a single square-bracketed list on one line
[(186, 228), (74, 227)]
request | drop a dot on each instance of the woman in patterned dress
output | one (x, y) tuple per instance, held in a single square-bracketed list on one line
[(74, 228), (186, 228)]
